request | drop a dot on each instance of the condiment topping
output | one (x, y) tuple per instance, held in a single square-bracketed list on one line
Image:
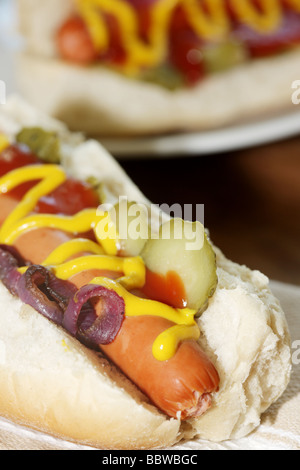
[(68, 260), (4, 142), (137, 36), (44, 144)]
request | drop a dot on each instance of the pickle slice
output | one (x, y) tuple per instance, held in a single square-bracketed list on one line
[(223, 56), (183, 247), (129, 223), (44, 144)]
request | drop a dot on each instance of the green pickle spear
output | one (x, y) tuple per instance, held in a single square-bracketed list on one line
[(127, 225), (183, 247)]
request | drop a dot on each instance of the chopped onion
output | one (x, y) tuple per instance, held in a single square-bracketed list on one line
[(10, 261), (61, 302), (90, 327), (34, 290)]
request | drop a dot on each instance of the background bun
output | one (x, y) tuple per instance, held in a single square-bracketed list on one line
[(52, 383)]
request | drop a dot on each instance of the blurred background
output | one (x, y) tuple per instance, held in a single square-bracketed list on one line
[(251, 196)]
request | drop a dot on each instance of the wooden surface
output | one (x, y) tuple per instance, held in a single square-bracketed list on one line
[(251, 197)]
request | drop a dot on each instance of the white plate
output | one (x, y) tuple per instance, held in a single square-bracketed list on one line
[(196, 143), (210, 142), (9, 43)]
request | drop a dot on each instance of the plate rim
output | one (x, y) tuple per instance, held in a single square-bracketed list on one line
[(236, 137)]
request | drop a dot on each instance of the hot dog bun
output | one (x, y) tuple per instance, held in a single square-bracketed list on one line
[(51, 383), (102, 102)]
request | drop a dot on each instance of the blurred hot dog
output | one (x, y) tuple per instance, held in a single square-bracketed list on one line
[(203, 64)]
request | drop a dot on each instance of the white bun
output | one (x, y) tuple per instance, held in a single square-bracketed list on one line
[(246, 330), (102, 102), (52, 383)]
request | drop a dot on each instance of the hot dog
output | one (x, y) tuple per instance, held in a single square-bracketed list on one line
[(172, 391), (202, 64), (58, 266)]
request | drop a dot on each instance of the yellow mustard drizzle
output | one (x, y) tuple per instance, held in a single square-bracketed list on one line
[(70, 248), (132, 269), (4, 142), (265, 21), (209, 19), (138, 52), (80, 223), (166, 344), (107, 234), (51, 177), (295, 4), (212, 25)]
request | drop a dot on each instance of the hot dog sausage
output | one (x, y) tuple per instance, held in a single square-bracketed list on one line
[(181, 386)]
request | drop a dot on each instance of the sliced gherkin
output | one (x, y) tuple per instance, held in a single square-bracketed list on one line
[(131, 229), (44, 144), (183, 247), (164, 75), (219, 57)]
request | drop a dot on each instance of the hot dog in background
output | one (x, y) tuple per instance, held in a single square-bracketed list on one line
[(199, 353), (176, 56), (190, 38)]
